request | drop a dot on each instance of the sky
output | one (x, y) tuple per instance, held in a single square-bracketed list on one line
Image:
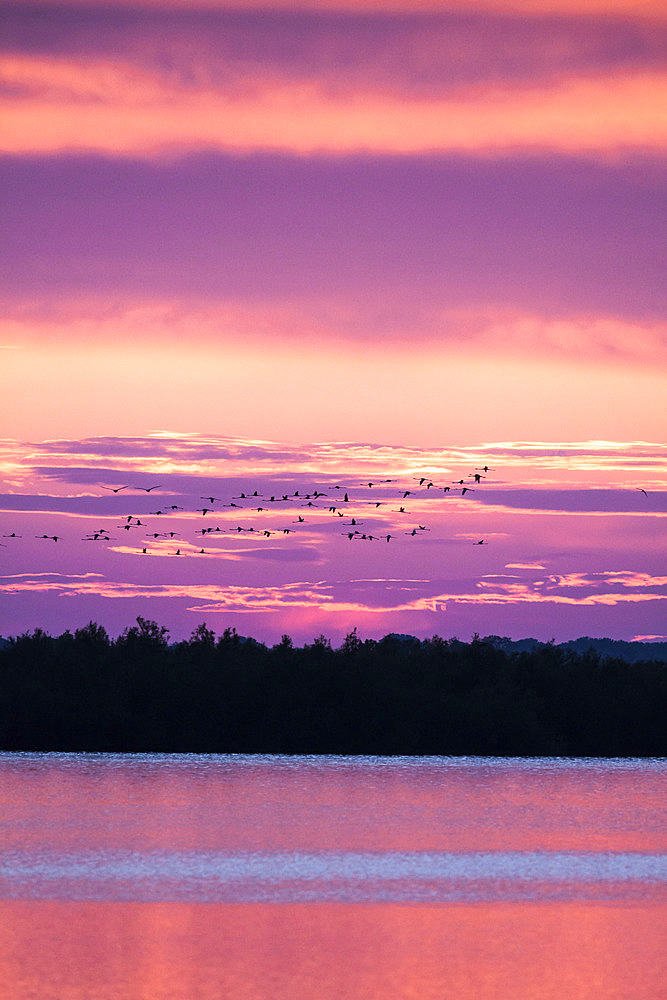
[(306, 246)]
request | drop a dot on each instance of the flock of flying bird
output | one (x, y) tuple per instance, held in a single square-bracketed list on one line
[(337, 500)]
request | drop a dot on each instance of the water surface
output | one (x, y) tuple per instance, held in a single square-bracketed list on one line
[(181, 877)]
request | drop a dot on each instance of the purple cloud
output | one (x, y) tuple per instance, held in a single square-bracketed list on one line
[(412, 54), (403, 235), (586, 501)]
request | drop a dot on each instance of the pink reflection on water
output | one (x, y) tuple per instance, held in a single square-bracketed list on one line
[(175, 951), (277, 804), (576, 947)]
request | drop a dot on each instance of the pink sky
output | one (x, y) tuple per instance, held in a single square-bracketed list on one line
[(289, 245)]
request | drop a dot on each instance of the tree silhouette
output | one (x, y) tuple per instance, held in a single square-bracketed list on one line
[(84, 691)]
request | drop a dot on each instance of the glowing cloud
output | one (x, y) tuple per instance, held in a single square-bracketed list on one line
[(111, 109)]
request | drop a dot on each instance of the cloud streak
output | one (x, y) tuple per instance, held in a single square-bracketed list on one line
[(607, 339), (321, 596), (140, 81), (376, 249), (117, 111), (569, 476)]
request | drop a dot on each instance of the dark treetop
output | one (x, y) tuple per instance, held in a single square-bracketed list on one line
[(399, 695)]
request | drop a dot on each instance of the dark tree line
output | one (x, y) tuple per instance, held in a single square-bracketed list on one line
[(227, 694)]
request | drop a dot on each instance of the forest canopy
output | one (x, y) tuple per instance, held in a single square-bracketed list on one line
[(85, 691)]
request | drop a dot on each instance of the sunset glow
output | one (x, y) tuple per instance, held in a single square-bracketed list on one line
[(295, 246)]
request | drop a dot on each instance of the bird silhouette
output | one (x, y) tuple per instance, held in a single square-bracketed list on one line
[(303, 498)]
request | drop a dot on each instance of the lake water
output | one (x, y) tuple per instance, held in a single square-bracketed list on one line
[(184, 877)]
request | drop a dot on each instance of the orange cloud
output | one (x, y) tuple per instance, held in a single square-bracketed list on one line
[(113, 108), (514, 465), (317, 596), (309, 322)]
